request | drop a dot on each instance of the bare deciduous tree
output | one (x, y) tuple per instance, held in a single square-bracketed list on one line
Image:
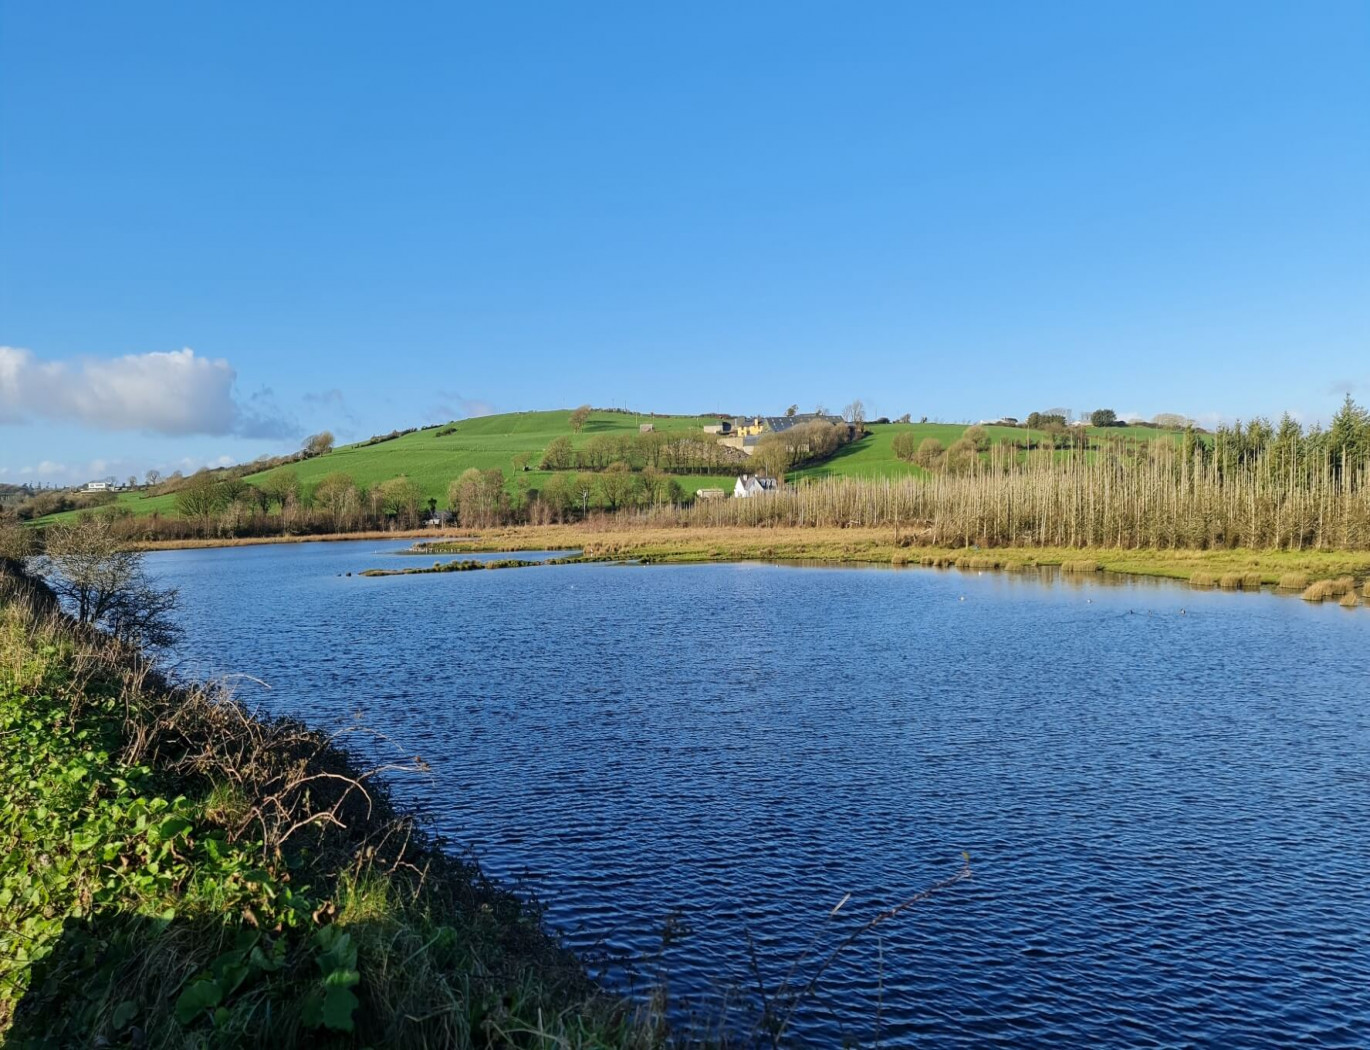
[(104, 584), (202, 497), (402, 498), (337, 493)]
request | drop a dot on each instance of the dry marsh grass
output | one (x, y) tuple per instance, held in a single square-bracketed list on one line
[(1203, 579), (1322, 590), (1349, 600), (609, 537)]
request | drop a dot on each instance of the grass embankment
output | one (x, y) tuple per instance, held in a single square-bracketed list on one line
[(878, 547), (174, 872)]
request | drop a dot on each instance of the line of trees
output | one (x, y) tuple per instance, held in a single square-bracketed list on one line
[(671, 451), (212, 506), (777, 453)]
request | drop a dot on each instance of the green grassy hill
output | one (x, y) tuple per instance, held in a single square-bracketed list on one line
[(435, 456), (433, 460)]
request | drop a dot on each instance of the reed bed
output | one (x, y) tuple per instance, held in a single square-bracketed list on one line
[(1203, 579), (1349, 600), (1154, 497), (1294, 581), (1325, 589)]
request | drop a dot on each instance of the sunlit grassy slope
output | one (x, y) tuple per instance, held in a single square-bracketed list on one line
[(433, 461)]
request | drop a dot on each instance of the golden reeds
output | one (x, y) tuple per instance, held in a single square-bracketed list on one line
[(1325, 589), (1147, 496)]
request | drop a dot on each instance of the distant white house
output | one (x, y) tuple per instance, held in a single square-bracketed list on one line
[(751, 485), (97, 486)]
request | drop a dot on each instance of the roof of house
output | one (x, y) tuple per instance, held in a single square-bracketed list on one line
[(776, 424), (756, 481)]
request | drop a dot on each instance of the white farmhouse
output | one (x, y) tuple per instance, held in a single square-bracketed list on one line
[(752, 485)]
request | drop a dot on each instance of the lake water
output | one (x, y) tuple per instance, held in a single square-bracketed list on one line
[(1165, 794)]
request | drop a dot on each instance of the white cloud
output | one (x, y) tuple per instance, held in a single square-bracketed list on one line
[(172, 392), (57, 473), (451, 405)]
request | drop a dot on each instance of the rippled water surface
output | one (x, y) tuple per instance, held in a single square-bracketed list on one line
[(1165, 794)]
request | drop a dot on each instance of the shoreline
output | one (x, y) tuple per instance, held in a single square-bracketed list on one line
[(151, 546), (853, 546), (877, 546), (267, 883)]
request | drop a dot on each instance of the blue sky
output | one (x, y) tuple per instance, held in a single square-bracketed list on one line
[(224, 226)]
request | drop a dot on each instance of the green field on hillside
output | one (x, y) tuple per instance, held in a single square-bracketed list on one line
[(434, 459)]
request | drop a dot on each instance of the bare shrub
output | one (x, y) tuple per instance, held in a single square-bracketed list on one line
[(103, 584)]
